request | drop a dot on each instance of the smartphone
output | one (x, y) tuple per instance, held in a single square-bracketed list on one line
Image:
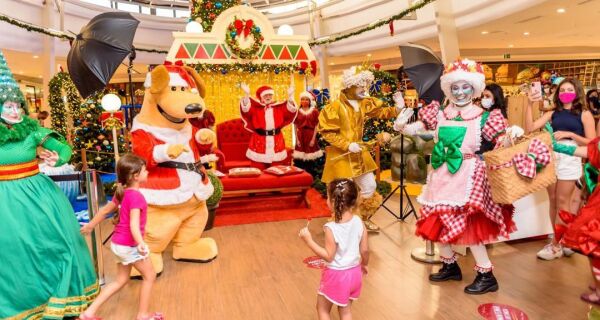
[(536, 86)]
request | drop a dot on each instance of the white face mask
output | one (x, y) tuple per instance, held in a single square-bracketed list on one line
[(487, 102)]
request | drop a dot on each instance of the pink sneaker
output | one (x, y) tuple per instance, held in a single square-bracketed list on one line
[(84, 317), (154, 316)]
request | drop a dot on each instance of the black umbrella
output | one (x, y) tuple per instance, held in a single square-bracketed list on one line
[(99, 49), (424, 69)]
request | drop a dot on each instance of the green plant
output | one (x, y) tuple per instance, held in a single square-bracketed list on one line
[(384, 188), (214, 199)]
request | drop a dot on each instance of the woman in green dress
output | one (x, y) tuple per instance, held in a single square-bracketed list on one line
[(45, 271)]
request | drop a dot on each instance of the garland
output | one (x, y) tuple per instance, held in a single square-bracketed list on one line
[(57, 34), (57, 105), (206, 11), (243, 28), (17, 131), (371, 26), (248, 67)]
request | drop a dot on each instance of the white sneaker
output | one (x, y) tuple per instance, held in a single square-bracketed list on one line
[(550, 252), (568, 252)]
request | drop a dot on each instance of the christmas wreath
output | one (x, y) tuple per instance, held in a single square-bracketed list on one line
[(243, 28)]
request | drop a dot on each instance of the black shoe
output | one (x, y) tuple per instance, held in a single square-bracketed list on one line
[(484, 282), (449, 271)]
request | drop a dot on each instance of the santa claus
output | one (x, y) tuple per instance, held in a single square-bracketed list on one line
[(265, 118)]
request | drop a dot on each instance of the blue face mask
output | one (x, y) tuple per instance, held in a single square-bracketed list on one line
[(462, 93)]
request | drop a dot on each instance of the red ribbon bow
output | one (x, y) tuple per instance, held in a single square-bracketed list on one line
[(526, 164), (177, 67), (560, 229), (242, 28)]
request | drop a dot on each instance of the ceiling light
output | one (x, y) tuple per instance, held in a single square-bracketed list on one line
[(561, 10), (40, 77), (525, 33), (331, 63), (20, 71), (35, 57), (485, 32), (511, 45), (285, 30)]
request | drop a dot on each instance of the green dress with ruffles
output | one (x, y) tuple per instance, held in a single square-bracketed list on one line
[(45, 267)]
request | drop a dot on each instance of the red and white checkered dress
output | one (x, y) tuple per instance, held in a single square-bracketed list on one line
[(457, 208)]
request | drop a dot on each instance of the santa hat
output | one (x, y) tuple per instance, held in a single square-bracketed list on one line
[(178, 76), (263, 91), (466, 70), (310, 96)]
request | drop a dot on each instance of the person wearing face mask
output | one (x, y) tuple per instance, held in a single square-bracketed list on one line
[(307, 146), (456, 203), (572, 126), (491, 99), (265, 118), (46, 267), (593, 103), (341, 124)]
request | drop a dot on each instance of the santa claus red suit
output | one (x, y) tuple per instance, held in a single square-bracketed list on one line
[(151, 143), (265, 119)]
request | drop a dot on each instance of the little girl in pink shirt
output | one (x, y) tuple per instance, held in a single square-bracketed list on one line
[(346, 251), (128, 244)]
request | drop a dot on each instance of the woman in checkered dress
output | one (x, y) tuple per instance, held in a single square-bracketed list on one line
[(457, 206)]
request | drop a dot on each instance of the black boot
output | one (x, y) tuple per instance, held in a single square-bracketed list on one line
[(484, 282), (449, 271)]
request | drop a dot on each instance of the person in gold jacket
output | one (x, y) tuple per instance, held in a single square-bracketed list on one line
[(341, 125)]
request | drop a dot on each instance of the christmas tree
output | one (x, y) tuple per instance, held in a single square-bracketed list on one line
[(383, 88), (206, 11), (63, 112), (94, 138), (9, 88)]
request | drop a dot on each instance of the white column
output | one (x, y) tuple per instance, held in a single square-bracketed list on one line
[(48, 55), (447, 33), (316, 31)]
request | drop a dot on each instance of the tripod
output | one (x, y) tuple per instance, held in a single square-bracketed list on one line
[(405, 211)]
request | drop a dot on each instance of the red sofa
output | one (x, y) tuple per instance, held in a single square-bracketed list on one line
[(232, 140)]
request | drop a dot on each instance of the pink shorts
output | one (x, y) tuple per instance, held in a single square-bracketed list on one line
[(341, 286)]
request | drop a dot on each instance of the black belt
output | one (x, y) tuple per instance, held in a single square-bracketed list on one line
[(189, 166), (263, 132)]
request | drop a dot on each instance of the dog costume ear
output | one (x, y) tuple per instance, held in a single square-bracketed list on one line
[(199, 82), (160, 79)]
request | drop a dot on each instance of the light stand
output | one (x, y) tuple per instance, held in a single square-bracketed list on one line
[(132, 57), (405, 211), (111, 103)]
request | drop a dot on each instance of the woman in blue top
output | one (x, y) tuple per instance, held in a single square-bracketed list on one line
[(572, 125)]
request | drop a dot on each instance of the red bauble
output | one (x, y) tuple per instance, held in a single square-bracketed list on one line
[(212, 16), (208, 5)]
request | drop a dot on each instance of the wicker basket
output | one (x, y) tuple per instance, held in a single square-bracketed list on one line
[(506, 183)]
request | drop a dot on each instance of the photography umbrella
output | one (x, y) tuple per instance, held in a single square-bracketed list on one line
[(424, 69), (99, 49)]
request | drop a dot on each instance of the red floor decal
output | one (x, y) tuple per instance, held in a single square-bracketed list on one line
[(495, 311)]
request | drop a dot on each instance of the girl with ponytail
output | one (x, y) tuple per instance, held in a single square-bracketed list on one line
[(128, 244), (346, 251)]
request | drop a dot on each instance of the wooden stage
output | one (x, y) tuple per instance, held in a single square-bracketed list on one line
[(259, 274)]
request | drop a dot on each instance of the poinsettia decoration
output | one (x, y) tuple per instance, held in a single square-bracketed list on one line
[(308, 67)]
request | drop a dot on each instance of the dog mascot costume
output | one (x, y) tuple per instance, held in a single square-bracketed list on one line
[(177, 185), (341, 125)]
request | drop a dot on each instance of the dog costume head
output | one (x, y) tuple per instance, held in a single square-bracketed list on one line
[(173, 94)]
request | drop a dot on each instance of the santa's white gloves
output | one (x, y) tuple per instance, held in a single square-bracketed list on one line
[(209, 158), (403, 118), (414, 128), (291, 91), (354, 148), (245, 88), (399, 100)]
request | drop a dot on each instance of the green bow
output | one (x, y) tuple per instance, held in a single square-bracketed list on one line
[(450, 154), (591, 176)]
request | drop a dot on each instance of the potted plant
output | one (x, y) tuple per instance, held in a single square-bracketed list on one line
[(212, 203)]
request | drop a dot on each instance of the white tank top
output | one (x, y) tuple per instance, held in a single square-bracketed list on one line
[(347, 236)]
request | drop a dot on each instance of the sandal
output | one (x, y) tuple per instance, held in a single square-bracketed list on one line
[(84, 317), (154, 316), (587, 297)]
